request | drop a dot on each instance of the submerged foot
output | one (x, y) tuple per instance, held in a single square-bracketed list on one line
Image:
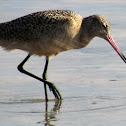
[(54, 90)]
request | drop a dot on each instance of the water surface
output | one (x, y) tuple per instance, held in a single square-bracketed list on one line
[(92, 80)]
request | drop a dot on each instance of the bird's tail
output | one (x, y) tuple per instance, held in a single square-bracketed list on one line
[(6, 37)]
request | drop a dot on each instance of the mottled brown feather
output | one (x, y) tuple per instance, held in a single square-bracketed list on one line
[(50, 32)]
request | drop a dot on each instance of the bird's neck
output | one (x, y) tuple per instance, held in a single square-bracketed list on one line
[(85, 34)]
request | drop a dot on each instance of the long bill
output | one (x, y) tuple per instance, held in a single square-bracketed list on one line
[(113, 44)]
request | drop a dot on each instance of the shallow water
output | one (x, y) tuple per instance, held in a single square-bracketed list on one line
[(91, 81)]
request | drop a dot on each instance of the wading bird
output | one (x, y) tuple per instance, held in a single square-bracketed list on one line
[(48, 33)]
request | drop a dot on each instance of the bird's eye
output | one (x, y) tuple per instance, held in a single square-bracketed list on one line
[(104, 26)]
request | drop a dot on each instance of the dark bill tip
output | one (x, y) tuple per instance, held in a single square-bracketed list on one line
[(113, 44)]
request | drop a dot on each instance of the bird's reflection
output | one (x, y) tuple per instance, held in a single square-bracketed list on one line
[(51, 115)]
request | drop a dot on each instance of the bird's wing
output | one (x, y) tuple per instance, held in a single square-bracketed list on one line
[(40, 25)]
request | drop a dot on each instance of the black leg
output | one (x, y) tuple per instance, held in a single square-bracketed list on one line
[(50, 85), (44, 75)]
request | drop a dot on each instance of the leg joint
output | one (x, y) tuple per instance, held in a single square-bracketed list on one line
[(20, 68)]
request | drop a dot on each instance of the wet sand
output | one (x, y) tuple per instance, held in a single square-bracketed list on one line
[(92, 80)]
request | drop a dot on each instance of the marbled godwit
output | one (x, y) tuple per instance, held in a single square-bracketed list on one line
[(48, 33)]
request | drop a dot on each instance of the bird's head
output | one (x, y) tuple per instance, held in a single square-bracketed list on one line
[(100, 28)]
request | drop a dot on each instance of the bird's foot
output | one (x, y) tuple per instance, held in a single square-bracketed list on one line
[(55, 91)]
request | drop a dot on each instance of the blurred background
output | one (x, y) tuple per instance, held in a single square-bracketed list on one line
[(92, 80)]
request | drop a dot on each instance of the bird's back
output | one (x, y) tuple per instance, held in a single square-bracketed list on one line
[(40, 30)]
